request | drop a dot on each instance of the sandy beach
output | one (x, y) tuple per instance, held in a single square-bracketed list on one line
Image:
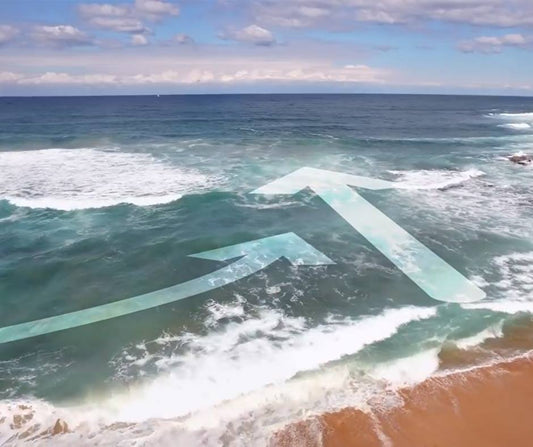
[(489, 406)]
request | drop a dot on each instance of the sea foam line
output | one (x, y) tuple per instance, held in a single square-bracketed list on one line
[(249, 418), (434, 179), (219, 366), (69, 179), (230, 371)]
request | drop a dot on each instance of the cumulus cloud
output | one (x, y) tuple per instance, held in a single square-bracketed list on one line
[(342, 13), (119, 24), (139, 40), (60, 35), (112, 18), (126, 18), (7, 33), (66, 78), (183, 39), (253, 34), (238, 72), (494, 44), (8, 76), (155, 9), (102, 10)]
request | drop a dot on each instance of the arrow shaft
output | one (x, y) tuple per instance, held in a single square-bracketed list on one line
[(430, 272), (233, 272)]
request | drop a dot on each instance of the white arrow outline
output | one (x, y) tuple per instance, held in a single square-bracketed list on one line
[(253, 256), (430, 272)]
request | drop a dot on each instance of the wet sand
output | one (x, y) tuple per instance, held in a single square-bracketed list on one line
[(488, 406)]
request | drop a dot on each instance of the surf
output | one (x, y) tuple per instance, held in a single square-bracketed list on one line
[(87, 178)]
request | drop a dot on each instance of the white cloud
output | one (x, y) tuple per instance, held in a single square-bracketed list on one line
[(237, 72), (63, 35), (65, 78), (119, 24), (313, 11), (7, 33), (126, 18), (7, 76), (343, 13), (183, 39), (494, 44), (155, 8), (253, 34), (102, 10), (202, 68), (139, 39)]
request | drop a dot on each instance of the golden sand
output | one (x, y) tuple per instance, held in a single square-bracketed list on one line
[(484, 406)]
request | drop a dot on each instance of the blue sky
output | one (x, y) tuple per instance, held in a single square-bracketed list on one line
[(55, 47)]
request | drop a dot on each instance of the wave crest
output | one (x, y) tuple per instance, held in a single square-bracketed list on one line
[(434, 178), (69, 179), (516, 126), (514, 121), (527, 116)]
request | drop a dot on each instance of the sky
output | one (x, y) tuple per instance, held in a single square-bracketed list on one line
[(71, 47)]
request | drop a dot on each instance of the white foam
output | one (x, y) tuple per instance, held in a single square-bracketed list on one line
[(510, 307), (496, 203), (277, 204), (220, 311), (249, 355), (434, 179), (516, 126), (515, 285), (516, 270), (479, 281), (515, 121), (238, 375), (494, 331), (408, 370), (25, 415), (526, 116), (69, 179), (247, 421), (519, 154)]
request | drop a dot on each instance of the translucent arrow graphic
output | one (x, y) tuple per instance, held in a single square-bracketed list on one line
[(254, 256), (430, 272)]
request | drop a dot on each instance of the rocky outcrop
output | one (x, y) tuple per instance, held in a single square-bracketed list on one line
[(521, 158), (59, 428)]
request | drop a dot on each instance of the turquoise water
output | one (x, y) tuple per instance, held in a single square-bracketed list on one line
[(105, 198)]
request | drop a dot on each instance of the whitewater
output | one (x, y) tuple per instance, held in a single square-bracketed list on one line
[(115, 211)]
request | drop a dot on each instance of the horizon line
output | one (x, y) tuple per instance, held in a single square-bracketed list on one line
[(268, 94)]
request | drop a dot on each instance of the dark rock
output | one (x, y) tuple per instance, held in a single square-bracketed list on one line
[(521, 158), (59, 428)]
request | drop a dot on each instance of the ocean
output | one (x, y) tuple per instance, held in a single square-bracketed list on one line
[(105, 198)]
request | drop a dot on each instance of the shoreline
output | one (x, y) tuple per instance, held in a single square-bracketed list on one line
[(489, 406)]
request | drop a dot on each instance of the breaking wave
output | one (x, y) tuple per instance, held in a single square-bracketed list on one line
[(434, 179), (237, 384), (526, 116), (516, 126), (514, 121), (69, 179), (205, 384), (514, 285)]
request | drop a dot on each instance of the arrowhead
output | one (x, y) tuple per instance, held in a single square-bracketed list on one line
[(304, 177), (287, 245)]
